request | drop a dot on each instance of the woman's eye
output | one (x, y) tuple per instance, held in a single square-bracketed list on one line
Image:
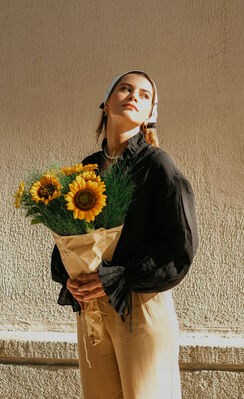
[(146, 96)]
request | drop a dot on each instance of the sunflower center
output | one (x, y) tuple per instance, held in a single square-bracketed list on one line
[(46, 190), (85, 199)]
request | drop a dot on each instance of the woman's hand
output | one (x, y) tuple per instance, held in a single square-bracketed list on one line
[(85, 288), (72, 286), (91, 286)]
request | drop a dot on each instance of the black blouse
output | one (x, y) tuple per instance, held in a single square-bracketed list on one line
[(159, 238)]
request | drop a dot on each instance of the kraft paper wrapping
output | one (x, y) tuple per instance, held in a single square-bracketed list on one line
[(83, 254)]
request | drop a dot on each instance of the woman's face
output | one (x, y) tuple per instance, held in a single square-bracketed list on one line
[(135, 90)]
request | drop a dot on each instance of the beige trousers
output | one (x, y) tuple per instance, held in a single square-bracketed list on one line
[(142, 364)]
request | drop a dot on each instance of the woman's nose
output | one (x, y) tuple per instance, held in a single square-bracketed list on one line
[(133, 95)]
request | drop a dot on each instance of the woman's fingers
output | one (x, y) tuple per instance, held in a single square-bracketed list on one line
[(90, 291), (89, 286), (72, 286), (86, 287), (98, 292), (78, 295), (72, 283), (88, 295)]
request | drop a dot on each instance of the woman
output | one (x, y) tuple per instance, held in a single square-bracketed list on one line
[(138, 356)]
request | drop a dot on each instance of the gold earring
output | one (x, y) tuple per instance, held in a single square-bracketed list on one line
[(144, 127)]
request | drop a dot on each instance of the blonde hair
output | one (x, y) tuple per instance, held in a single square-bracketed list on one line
[(150, 134)]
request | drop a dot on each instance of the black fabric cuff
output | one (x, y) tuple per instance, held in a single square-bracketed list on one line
[(66, 298), (144, 277), (58, 271), (115, 285)]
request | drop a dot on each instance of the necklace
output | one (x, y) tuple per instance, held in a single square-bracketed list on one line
[(110, 156)]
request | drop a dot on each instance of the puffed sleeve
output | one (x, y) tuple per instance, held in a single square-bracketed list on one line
[(168, 257), (60, 275)]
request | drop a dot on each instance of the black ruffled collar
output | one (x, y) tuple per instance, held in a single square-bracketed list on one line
[(134, 143)]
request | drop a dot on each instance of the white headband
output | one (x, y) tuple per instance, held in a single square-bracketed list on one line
[(151, 122)]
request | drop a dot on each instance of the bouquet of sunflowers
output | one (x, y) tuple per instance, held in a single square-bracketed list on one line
[(84, 211)]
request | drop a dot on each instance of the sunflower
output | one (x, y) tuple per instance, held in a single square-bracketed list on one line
[(90, 175), (90, 166), (78, 168), (46, 189), (85, 198), (72, 169), (19, 194)]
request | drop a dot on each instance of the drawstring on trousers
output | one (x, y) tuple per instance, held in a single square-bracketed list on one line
[(129, 312), (84, 339), (87, 308)]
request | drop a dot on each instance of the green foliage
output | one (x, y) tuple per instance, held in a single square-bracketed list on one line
[(119, 191), (56, 216)]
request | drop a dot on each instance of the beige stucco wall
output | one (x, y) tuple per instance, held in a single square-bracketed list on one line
[(57, 60)]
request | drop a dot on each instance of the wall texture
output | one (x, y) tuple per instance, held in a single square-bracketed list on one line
[(57, 59)]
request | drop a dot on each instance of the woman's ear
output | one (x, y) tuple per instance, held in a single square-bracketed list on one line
[(106, 109)]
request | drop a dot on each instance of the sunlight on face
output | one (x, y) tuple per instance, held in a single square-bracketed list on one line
[(136, 90)]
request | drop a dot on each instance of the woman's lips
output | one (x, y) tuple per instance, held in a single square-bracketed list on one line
[(130, 106)]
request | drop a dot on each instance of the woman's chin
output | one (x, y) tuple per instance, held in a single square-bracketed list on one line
[(132, 121)]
